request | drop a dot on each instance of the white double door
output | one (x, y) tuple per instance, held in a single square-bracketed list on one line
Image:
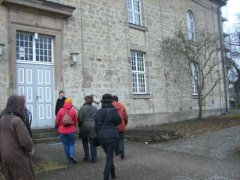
[(35, 82)]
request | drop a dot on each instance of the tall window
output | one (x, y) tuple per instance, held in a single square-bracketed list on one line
[(138, 73), (190, 26), (34, 47), (195, 77), (134, 12)]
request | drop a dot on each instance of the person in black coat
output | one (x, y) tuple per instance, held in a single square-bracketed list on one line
[(60, 102), (107, 119)]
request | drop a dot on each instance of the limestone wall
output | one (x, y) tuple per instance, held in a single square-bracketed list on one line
[(99, 31)]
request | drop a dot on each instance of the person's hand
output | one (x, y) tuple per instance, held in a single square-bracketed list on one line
[(31, 153)]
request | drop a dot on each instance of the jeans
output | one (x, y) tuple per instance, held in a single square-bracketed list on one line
[(85, 142), (68, 141), (120, 144), (109, 164)]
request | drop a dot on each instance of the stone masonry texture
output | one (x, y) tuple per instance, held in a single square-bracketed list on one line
[(99, 31)]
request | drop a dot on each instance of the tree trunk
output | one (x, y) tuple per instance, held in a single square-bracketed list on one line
[(236, 88), (199, 107), (200, 113)]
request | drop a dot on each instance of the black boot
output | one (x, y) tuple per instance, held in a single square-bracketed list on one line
[(113, 175)]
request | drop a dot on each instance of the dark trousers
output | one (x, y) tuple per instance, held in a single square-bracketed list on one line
[(109, 164), (120, 144), (86, 142)]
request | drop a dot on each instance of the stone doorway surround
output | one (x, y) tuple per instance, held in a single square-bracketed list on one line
[(39, 16)]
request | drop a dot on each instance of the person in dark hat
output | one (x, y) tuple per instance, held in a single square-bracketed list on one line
[(107, 119), (60, 101), (59, 104)]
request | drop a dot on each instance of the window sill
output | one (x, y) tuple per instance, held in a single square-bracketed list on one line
[(141, 96), (194, 43), (138, 27), (195, 96)]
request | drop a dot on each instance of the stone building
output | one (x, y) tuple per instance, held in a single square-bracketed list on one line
[(117, 44)]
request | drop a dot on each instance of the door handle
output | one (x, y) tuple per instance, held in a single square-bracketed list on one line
[(38, 97)]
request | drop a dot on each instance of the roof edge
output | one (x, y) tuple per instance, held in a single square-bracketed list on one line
[(43, 5)]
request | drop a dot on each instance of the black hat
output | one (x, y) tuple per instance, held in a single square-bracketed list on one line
[(107, 98), (61, 92), (115, 98)]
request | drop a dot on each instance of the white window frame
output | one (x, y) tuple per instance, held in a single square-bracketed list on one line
[(132, 12), (34, 60), (137, 72), (191, 34), (194, 76)]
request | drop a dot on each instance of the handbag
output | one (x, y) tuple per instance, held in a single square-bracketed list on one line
[(96, 142)]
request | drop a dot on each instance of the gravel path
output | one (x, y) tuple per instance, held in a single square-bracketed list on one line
[(218, 145), (210, 156)]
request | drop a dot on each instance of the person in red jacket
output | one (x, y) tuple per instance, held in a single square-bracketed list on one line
[(121, 128), (68, 130)]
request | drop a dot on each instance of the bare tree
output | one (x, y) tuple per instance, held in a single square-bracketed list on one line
[(232, 43), (198, 59)]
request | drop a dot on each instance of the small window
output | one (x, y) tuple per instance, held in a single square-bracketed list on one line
[(190, 26), (195, 77), (134, 12), (138, 73)]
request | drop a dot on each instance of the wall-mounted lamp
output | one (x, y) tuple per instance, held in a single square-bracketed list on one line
[(74, 58), (1, 49)]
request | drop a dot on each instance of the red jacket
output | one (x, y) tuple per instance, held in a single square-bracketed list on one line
[(123, 114), (60, 114)]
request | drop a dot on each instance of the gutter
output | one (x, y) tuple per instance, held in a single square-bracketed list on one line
[(223, 58)]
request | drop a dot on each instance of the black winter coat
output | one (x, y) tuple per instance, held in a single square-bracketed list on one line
[(59, 104), (107, 120)]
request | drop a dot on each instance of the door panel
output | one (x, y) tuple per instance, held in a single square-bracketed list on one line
[(25, 87), (44, 96), (35, 82)]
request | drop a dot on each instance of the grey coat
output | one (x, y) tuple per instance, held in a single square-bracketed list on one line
[(86, 121)]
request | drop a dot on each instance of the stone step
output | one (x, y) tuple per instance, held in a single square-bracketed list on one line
[(47, 135), (44, 135), (39, 135), (46, 140), (40, 130)]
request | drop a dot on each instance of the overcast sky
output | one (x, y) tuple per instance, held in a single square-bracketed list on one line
[(230, 12)]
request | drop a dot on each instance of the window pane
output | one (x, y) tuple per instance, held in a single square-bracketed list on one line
[(133, 58), (24, 46), (44, 46), (139, 81), (194, 77), (130, 17), (190, 26), (136, 5), (134, 83), (134, 12), (140, 62), (137, 18), (130, 4)]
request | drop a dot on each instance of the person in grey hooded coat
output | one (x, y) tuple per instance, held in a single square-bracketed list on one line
[(86, 124)]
